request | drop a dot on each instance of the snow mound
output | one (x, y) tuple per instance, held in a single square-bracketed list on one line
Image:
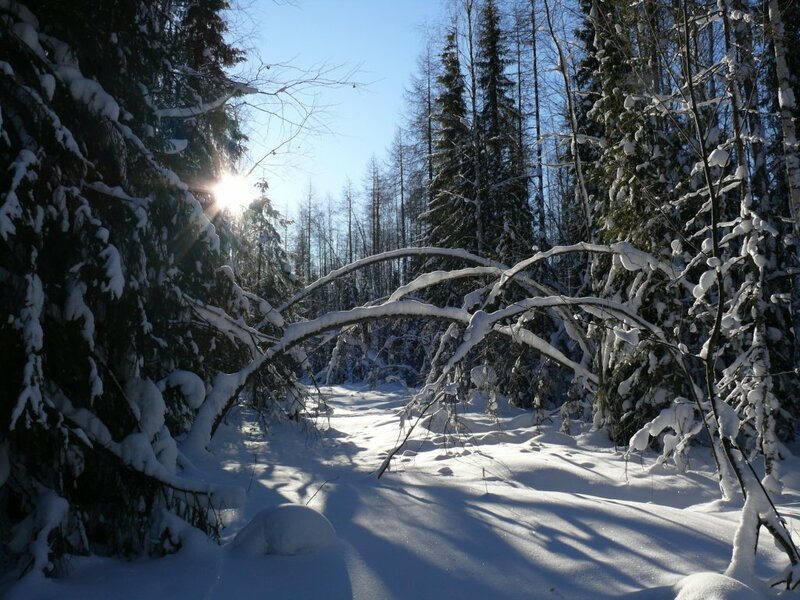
[(712, 586), (287, 529)]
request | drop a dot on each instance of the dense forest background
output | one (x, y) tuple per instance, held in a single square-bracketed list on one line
[(614, 237)]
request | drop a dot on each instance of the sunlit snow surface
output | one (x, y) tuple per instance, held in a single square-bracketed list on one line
[(511, 511)]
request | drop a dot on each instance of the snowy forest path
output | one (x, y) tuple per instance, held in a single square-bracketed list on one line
[(513, 510), (510, 507)]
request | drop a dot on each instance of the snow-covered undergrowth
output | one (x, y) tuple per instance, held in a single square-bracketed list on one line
[(285, 530), (512, 510)]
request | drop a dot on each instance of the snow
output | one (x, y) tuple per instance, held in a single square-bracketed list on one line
[(176, 146), (11, 210), (480, 324), (222, 388), (786, 97), (640, 440), (190, 384), (729, 423), (707, 279), (136, 451), (115, 281), (115, 192), (511, 510), (286, 530), (89, 423), (437, 277), (483, 376), (629, 103), (147, 405), (628, 336), (271, 316), (32, 336), (28, 34), (205, 107), (75, 308), (457, 253), (629, 147), (632, 258), (718, 158), (88, 91), (48, 83), (713, 586), (235, 330), (51, 511)]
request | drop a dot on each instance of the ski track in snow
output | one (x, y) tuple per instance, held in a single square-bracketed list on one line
[(512, 511)]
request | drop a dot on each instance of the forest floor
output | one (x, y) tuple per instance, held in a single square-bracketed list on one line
[(512, 510)]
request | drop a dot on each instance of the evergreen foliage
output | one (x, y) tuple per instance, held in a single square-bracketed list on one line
[(135, 313), (117, 307), (508, 226), (451, 214)]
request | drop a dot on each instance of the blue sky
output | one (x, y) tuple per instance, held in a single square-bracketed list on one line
[(383, 38)]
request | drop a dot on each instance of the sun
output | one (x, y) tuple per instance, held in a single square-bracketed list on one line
[(233, 193)]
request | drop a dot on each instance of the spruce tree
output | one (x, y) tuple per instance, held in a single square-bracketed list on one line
[(451, 214), (508, 222), (196, 93), (117, 310)]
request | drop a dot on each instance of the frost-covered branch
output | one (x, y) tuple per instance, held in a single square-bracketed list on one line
[(384, 256), (188, 112)]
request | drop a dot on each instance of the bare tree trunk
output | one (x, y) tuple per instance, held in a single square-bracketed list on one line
[(538, 122), (349, 197), (469, 8), (308, 235), (401, 160), (429, 125), (573, 121), (787, 101), (748, 481), (520, 104)]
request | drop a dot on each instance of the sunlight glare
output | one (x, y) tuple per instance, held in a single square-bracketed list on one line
[(233, 193)]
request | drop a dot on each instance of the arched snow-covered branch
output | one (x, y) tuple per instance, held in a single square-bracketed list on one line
[(383, 256), (226, 387)]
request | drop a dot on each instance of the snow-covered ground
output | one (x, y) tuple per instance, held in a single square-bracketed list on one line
[(514, 510)]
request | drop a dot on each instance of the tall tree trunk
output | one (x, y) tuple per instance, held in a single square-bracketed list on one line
[(403, 241), (787, 101), (349, 198), (469, 9), (538, 121), (573, 121)]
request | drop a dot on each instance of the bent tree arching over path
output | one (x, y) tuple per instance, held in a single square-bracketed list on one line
[(759, 508), (645, 302)]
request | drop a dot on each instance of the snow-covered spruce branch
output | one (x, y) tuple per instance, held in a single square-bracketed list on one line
[(229, 327), (136, 453), (188, 112)]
